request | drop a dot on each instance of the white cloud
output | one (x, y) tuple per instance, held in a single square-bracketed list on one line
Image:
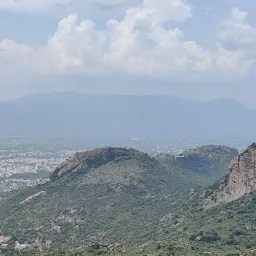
[(31, 5), (235, 32), (232, 61), (110, 3), (139, 44), (166, 10), (34, 6), (237, 42), (238, 15)]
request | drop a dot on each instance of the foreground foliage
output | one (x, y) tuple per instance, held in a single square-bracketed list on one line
[(115, 198), (149, 250), (109, 195)]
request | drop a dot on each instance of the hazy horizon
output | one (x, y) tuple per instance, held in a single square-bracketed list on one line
[(171, 96), (117, 116)]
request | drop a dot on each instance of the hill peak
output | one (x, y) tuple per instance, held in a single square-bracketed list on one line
[(211, 148), (83, 161)]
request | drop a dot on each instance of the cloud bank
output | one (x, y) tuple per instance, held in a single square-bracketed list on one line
[(32, 6), (140, 44)]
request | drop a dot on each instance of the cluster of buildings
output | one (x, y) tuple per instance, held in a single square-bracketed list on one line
[(18, 169)]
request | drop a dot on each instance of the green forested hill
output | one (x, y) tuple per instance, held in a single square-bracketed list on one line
[(227, 229), (209, 161), (106, 196)]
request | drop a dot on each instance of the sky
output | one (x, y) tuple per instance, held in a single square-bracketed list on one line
[(197, 49)]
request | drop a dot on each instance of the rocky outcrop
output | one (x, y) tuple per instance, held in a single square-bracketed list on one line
[(83, 161), (30, 198), (242, 175)]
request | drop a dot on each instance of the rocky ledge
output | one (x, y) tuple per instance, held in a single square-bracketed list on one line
[(242, 175), (84, 161)]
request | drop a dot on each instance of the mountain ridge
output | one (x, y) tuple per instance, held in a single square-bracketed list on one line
[(118, 116)]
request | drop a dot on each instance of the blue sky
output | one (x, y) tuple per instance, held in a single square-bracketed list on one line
[(200, 49)]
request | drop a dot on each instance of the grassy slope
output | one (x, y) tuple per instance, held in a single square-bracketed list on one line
[(223, 229), (132, 200), (210, 162), (127, 195)]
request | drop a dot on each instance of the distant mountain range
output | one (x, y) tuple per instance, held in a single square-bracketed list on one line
[(69, 114)]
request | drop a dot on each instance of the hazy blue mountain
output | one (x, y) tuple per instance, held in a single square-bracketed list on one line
[(67, 114)]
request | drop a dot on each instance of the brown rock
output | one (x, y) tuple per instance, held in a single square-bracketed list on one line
[(242, 177), (83, 161)]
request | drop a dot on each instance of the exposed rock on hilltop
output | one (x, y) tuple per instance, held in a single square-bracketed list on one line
[(242, 177), (83, 161), (207, 162)]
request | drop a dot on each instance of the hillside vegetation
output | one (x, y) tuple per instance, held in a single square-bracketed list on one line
[(115, 195)]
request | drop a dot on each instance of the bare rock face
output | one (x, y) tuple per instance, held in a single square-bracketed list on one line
[(242, 177), (83, 161)]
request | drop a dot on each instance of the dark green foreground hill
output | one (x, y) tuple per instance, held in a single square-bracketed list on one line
[(114, 195)]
